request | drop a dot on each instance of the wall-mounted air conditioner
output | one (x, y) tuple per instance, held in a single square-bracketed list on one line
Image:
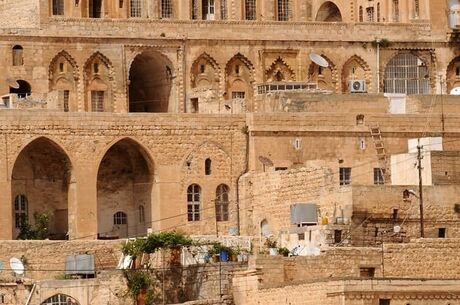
[(357, 86)]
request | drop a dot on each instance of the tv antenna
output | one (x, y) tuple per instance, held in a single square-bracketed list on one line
[(265, 161)]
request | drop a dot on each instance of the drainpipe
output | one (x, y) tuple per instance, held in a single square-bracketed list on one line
[(246, 167)]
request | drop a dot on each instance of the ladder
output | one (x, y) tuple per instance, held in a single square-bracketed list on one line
[(381, 152)]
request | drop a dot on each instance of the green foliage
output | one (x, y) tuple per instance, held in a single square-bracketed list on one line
[(156, 241), (271, 242), (217, 247), (383, 43), (41, 229), (137, 280), (283, 251)]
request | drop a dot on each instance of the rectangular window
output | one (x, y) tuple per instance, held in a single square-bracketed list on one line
[(337, 236), (194, 12), (395, 10), (194, 105), (58, 7), (442, 232), (95, 8), (379, 176), (166, 9), (238, 94), (345, 175), (136, 9), (370, 14), (97, 101), (283, 10), (250, 10), (223, 10), (367, 272), (384, 302), (63, 96)]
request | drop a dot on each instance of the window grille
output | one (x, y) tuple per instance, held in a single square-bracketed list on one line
[(58, 7), (193, 202), (345, 175), (361, 18), (283, 10), (370, 14), (59, 299), (194, 9), (238, 94), (97, 101), (18, 56), (395, 10), (407, 74), (20, 210), (378, 12), (64, 100), (166, 9), (250, 9), (379, 176), (223, 10), (136, 9), (222, 202), (416, 8), (120, 218)]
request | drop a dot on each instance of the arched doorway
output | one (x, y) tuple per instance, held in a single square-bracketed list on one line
[(39, 184), (453, 74), (23, 90), (150, 83), (60, 299), (124, 191), (329, 12), (407, 74)]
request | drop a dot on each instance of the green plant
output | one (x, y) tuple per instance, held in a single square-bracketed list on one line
[(284, 251), (271, 242), (41, 229), (382, 43), (155, 241), (137, 280)]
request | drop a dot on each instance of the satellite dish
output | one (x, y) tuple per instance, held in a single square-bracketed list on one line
[(265, 161), (319, 60), (455, 91), (396, 229), (17, 266), (13, 84)]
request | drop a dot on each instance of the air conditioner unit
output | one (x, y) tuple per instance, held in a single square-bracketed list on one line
[(357, 86)]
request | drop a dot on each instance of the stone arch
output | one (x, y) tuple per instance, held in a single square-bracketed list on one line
[(401, 61), (151, 76), (207, 78), (63, 81), (329, 12), (279, 70), (194, 161), (453, 74), (124, 183), (42, 172), (356, 68), (93, 78), (60, 299), (327, 78), (239, 76)]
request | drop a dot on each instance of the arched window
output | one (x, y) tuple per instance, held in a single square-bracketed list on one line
[(407, 74), (370, 14), (361, 17), (222, 202), (58, 7), (141, 214), (166, 9), (416, 8), (223, 10), (136, 8), (193, 202), (120, 218), (360, 119), (283, 10), (395, 10), (378, 12), (250, 12), (60, 299), (20, 210), (207, 167), (18, 56)]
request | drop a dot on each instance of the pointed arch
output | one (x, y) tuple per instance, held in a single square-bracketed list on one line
[(63, 81), (356, 68), (239, 78), (60, 299), (73, 63), (205, 70), (329, 12), (453, 74), (279, 70), (327, 78)]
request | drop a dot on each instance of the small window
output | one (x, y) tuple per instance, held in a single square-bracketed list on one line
[(64, 100), (345, 175), (20, 210), (280, 168), (298, 144), (370, 14), (238, 94), (379, 176), (337, 236), (2, 299), (120, 218), (320, 70), (378, 12), (207, 167), (96, 68), (301, 236), (222, 202), (97, 101), (61, 67), (360, 119), (237, 69), (283, 10), (384, 301), (442, 232), (362, 143), (120, 3), (166, 9), (194, 105), (18, 56), (361, 17), (368, 272), (136, 9), (95, 8), (395, 214), (202, 68), (250, 10), (457, 71), (58, 7), (193, 202), (59, 299), (141, 214)]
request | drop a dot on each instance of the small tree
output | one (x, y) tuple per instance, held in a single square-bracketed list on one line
[(41, 229)]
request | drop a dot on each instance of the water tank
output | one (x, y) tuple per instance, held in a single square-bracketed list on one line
[(79, 264), (304, 214)]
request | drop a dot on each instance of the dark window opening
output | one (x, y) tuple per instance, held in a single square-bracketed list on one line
[(379, 176), (442, 232), (457, 71), (23, 90), (202, 68), (207, 167), (301, 236), (366, 272), (395, 214), (95, 8), (337, 236), (18, 56), (280, 168), (384, 301), (345, 175), (194, 104), (58, 7)]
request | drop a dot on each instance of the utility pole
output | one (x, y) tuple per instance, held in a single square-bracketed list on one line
[(420, 187)]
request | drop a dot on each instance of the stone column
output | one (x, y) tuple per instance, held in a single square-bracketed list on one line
[(6, 203), (83, 207)]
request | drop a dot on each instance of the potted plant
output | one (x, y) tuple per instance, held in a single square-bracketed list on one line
[(271, 244)]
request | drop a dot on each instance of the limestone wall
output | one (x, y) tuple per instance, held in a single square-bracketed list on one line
[(19, 14)]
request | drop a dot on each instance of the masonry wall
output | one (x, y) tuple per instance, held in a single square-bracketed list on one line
[(23, 14)]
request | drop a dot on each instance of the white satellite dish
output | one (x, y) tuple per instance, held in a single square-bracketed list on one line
[(396, 229), (455, 91), (319, 60), (13, 84), (17, 266)]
